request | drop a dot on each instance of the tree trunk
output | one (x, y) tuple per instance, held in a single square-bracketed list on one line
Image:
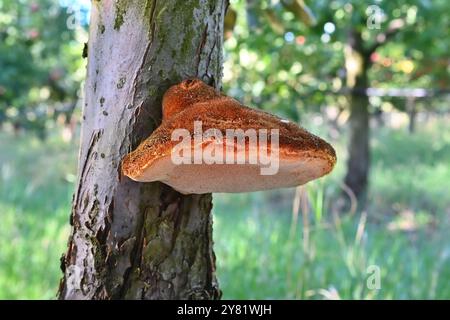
[(357, 64), (133, 240), (412, 113)]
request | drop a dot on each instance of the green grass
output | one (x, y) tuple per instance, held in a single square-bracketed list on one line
[(35, 192), (260, 253), (260, 259)]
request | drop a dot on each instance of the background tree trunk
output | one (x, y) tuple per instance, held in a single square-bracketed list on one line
[(412, 113), (358, 163), (140, 240)]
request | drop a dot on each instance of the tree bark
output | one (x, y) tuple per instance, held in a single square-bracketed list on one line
[(412, 113), (358, 163), (133, 240)]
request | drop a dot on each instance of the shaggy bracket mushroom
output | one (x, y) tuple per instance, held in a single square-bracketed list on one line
[(298, 155)]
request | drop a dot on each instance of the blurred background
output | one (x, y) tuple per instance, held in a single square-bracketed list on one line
[(372, 78)]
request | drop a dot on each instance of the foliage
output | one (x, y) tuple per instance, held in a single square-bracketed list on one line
[(40, 62), (277, 62)]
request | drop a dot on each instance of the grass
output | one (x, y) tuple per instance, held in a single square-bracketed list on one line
[(35, 192), (260, 259), (261, 252)]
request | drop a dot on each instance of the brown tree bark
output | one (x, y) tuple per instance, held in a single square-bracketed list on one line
[(412, 113), (358, 162), (134, 240), (358, 63)]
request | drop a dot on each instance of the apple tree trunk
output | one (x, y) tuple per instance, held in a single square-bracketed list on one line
[(133, 240), (358, 162)]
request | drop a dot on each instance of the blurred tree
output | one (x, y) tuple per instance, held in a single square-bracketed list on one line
[(135, 240), (287, 60), (366, 30), (39, 62)]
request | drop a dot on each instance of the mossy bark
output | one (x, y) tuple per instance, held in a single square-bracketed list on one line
[(133, 240)]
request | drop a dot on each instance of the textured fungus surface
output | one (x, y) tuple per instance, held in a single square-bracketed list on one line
[(302, 155)]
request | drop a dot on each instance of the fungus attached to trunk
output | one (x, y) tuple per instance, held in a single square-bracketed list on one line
[(208, 142)]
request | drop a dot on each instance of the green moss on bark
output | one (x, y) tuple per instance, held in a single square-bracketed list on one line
[(120, 13)]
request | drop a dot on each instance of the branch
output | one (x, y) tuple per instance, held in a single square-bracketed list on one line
[(274, 22), (394, 27), (300, 10)]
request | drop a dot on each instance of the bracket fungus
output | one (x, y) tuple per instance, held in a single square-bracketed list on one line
[(208, 142)]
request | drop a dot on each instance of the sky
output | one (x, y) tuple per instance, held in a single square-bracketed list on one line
[(80, 7)]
